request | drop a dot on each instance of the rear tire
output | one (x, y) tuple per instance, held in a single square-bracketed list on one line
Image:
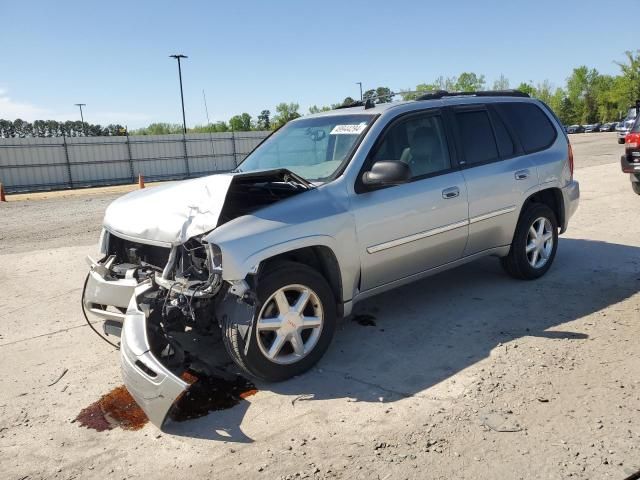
[(303, 336), (534, 244), (636, 187)]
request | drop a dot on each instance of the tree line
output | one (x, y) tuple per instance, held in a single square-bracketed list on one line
[(52, 128), (588, 96)]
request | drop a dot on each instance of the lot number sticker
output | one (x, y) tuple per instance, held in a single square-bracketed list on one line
[(348, 129)]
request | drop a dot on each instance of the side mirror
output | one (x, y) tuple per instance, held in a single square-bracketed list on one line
[(387, 172)]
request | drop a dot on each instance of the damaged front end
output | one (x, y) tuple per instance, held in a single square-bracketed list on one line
[(170, 324), (168, 302)]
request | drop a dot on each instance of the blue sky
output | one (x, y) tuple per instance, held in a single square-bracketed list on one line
[(250, 55)]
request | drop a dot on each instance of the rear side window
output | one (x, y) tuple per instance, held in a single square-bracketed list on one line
[(505, 142), (530, 123), (477, 137)]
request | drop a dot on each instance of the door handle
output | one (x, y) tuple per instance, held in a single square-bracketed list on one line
[(522, 174), (451, 192)]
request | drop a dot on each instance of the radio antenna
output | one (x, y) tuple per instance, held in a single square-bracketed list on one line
[(206, 111)]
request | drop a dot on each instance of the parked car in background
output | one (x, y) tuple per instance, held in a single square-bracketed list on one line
[(575, 129), (594, 127), (608, 127), (624, 127), (630, 161), (621, 132)]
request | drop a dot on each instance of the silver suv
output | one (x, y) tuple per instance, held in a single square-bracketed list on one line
[(331, 209)]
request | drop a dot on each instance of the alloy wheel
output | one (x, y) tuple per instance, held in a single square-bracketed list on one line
[(289, 324), (539, 242)]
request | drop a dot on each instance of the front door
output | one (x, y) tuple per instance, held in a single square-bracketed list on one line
[(406, 229)]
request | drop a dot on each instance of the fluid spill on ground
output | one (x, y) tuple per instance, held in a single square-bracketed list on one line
[(205, 394), (209, 394), (115, 409), (365, 320)]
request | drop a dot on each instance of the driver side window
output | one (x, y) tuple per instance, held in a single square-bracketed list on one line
[(419, 142)]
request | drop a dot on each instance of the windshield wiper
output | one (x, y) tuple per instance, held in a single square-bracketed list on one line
[(289, 175)]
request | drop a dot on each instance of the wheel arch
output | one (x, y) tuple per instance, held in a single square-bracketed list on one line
[(552, 197), (319, 257)]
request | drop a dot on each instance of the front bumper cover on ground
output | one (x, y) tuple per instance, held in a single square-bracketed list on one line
[(100, 293), (153, 386)]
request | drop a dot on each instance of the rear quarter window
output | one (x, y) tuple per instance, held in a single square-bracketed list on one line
[(530, 124)]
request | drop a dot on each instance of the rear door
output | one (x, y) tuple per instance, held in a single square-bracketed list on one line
[(496, 172)]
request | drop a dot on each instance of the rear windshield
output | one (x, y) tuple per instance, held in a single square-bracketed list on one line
[(530, 123), (636, 126)]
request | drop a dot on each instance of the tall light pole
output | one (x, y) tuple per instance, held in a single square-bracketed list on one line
[(184, 121), (80, 105), (360, 83)]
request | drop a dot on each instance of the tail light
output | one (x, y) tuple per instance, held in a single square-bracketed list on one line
[(570, 155), (631, 141)]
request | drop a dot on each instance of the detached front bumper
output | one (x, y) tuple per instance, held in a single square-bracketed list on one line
[(100, 293), (153, 386)]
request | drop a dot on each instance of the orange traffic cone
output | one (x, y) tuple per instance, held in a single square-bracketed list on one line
[(140, 181), (2, 196)]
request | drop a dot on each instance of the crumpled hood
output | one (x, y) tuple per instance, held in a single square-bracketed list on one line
[(172, 213)]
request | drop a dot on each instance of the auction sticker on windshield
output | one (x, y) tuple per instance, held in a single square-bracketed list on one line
[(348, 129)]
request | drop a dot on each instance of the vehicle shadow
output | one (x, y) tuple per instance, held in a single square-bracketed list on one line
[(430, 330)]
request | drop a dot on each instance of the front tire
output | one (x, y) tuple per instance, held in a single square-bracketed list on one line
[(620, 141), (534, 243), (292, 327)]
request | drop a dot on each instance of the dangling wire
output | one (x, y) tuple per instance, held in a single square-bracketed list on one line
[(84, 312)]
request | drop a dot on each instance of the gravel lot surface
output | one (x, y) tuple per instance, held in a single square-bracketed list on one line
[(468, 374)]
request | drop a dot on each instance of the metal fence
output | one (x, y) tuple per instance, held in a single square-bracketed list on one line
[(31, 164)]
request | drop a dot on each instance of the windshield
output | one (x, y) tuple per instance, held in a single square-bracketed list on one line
[(313, 148), (631, 113)]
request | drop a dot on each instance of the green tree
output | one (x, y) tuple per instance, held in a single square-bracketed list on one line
[(379, 95), (581, 92), (316, 109), (420, 89), (6, 128), (501, 83), (285, 112), (21, 128), (527, 88), (544, 91), (446, 83), (240, 123), (264, 120), (469, 82), (160, 129), (628, 87)]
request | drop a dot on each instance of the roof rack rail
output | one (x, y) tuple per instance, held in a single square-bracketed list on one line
[(482, 93), (357, 103)]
